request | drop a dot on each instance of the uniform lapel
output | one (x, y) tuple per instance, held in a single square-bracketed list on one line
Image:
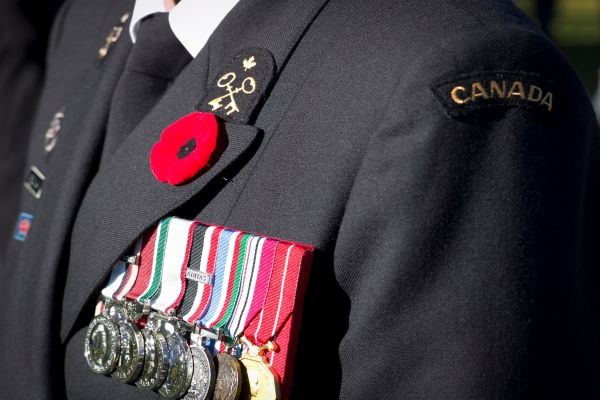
[(124, 199)]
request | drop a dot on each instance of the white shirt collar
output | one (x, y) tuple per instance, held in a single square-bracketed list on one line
[(142, 9), (192, 21)]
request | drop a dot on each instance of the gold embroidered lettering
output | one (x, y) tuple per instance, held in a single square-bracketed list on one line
[(535, 94), (457, 99), (548, 100), (477, 90), (498, 91), (517, 90)]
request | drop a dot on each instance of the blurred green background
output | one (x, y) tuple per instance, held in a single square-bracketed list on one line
[(574, 25)]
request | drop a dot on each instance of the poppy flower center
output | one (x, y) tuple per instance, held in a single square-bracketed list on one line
[(186, 149)]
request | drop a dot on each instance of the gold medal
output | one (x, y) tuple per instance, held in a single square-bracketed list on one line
[(261, 381)]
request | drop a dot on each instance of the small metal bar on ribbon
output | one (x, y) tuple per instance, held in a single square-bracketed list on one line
[(203, 254)]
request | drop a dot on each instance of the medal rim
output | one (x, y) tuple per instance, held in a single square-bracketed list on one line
[(141, 352), (172, 392), (195, 347), (238, 373), (115, 349), (160, 374)]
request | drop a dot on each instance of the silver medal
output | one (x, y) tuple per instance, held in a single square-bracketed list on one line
[(181, 368), (156, 363), (131, 360), (102, 344), (203, 379)]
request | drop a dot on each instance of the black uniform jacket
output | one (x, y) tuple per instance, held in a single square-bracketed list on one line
[(24, 27), (442, 156)]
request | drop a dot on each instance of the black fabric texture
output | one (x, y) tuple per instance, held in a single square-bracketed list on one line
[(84, 90), (456, 256), (24, 27)]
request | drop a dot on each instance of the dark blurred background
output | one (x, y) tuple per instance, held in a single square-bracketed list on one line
[(574, 25), (24, 29)]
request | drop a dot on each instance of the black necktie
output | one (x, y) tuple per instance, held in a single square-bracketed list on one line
[(155, 60)]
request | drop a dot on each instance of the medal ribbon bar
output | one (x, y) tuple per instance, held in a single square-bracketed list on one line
[(246, 286)]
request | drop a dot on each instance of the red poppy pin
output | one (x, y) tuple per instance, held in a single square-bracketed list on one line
[(184, 148)]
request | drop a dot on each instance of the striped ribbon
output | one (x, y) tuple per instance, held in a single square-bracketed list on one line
[(173, 261), (281, 295), (162, 254), (202, 260), (257, 274), (157, 265), (115, 280), (257, 267), (223, 279), (223, 266), (252, 286), (234, 283), (146, 264), (288, 317), (193, 274), (131, 275), (230, 264), (248, 277), (259, 286)]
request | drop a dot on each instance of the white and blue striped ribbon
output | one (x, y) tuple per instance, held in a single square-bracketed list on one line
[(222, 270)]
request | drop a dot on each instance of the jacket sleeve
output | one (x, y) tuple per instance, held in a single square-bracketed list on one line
[(465, 244)]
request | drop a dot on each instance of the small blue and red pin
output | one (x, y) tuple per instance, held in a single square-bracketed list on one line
[(23, 226)]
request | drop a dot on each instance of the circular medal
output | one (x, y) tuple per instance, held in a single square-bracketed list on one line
[(229, 377), (102, 344), (181, 368), (131, 359), (203, 379), (156, 363), (260, 381)]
